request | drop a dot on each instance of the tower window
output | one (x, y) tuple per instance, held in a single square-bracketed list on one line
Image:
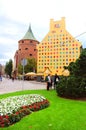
[(34, 49), (30, 54), (26, 48), (31, 41), (22, 41)]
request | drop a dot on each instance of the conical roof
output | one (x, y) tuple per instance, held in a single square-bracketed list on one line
[(29, 34)]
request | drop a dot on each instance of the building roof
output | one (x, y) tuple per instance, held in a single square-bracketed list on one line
[(29, 34)]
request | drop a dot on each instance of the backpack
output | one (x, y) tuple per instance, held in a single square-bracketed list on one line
[(46, 78)]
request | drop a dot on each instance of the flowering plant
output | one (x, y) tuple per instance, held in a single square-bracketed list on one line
[(12, 109)]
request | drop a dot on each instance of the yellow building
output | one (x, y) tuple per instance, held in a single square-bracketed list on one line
[(57, 49)]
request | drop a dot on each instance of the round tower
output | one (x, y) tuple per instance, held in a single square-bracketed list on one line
[(27, 48)]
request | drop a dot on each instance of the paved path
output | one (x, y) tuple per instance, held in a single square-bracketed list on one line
[(7, 85)]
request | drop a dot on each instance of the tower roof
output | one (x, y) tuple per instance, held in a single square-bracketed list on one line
[(29, 34)]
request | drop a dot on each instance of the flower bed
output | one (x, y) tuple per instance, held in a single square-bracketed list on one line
[(12, 109)]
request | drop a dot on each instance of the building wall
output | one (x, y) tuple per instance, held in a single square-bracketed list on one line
[(26, 49), (57, 49)]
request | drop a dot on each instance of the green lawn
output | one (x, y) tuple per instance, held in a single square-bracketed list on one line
[(62, 114)]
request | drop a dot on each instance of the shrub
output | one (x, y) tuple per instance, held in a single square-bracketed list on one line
[(72, 87)]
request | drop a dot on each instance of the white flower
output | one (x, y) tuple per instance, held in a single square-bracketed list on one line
[(13, 103)]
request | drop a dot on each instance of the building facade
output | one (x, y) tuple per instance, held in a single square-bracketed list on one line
[(57, 49), (26, 48)]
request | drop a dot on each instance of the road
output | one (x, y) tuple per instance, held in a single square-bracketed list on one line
[(7, 85)]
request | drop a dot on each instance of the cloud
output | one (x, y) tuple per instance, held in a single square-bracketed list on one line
[(15, 16), (5, 57)]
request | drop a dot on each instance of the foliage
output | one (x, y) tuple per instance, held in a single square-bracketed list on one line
[(79, 67), (30, 67), (74, 86), (20, 69), (9, 67)]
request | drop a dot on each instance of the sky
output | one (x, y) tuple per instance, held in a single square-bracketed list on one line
[(16, 15)]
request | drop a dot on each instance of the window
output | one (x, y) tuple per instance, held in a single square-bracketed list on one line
[(26, 48), (30, 54), (57, 25), (31, 41), (22, 41), (34, 49)]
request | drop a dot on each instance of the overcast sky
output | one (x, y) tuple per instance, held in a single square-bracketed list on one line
[(16, 15)]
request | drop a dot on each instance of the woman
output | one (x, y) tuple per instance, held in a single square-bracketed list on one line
[(56, 80)]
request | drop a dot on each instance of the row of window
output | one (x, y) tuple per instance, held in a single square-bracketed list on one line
[(60, 35), (62, 39), (57, 51), (61, 45), (52, 67), (54, 62), (60, 54), (54, 59), (30, 41), (27, 49)]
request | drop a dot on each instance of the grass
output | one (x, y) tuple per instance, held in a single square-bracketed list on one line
[(62, 114)]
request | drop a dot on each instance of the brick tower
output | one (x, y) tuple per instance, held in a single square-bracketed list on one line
[(26, 48)]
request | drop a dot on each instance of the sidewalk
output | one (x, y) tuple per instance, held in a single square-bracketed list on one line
[(7, 85)]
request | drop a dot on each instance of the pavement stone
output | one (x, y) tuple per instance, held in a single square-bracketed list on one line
[(7, 85)]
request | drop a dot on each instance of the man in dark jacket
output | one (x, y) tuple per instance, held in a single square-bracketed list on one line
[(56, 80)]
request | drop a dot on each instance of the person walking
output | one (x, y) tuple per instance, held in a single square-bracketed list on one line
[(56, 80), (0, 77)]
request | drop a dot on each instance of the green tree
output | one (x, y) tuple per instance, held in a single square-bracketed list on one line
[(72, 68), (81, 63), (9, 67), (20, 69), (30, 67), (78, 68), (74, 86)]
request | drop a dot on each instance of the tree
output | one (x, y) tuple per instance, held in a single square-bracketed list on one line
[(72, 68), (78, 68), (9, 67), (81, 63), (74, 86), (30, 67)]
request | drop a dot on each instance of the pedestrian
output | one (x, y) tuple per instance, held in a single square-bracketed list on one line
[(56, 80), (12, 78), (49, 81), (0, 77)]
